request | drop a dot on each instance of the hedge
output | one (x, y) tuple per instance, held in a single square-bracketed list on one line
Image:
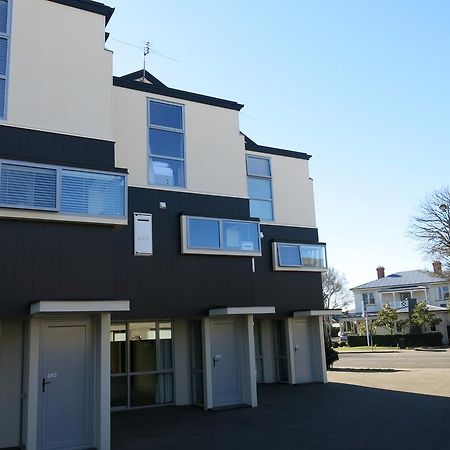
[(393, 340)]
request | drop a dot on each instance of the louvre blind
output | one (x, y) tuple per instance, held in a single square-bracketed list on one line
[(28, 187), (92, 193)]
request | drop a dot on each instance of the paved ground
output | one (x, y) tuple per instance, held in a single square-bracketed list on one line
[(402, 359), (358, 410)]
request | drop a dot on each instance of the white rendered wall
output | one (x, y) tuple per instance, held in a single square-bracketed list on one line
[(11, 335), (60, 76), (215, 159), (292, 191)]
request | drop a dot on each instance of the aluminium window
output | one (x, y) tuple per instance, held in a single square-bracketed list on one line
[(60, 189), (166, 144), (4, 54), (259, 184), (220, 236), (298, 256)]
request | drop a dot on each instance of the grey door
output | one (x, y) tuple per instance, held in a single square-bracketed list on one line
[(304, 371), (66, 386), (226, 361)]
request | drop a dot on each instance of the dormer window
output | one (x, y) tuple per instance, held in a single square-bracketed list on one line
[(166, 144)]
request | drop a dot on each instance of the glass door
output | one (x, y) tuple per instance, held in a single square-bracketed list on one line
[(281, 364), (141, 364), (196, 344), (258, 351)]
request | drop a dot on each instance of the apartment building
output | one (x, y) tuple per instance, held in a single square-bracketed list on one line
[(152, 254)]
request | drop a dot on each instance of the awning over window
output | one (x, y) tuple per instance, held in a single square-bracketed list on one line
[(317, 312), (77, 306), (238, 311)]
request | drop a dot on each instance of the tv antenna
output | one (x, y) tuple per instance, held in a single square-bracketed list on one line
[(146, 52)]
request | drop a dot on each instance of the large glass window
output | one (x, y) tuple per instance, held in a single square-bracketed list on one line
[(259, 183), (166, 144), (220, 236), (28, 187), (77, 192), (443, 293), (310, 257), (92, 193), (4, 49), (141, 364)]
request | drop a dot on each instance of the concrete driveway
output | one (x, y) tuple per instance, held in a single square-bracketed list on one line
[(342, 415)]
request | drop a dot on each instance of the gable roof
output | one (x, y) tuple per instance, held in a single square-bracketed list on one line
[(150, 83), (89, 5), (408, 279), (254, 147)]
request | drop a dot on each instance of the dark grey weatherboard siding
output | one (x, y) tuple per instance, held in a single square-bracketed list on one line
[(53, 148), (42, 261)]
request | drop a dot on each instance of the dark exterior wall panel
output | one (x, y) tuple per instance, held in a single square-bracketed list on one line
[(58, 261)]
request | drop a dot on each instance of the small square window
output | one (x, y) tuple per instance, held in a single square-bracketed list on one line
[(259, 167)]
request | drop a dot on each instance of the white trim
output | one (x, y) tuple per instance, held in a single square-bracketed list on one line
[(77, 306), (317, 312), (235, 311)]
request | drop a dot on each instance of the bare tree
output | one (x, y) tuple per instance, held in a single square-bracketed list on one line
[(334, 289), (431, 226)]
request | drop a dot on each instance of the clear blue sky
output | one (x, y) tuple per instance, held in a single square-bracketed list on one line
[(363, 86)]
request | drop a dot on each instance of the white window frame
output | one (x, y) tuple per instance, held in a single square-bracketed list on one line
[(261, 177), (150, 155), (222, 251), (370, 298), (59, 170), (276, 260), (5, 77), (441, 293)]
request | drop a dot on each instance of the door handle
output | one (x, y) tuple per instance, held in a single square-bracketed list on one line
[(44, 383), (216, 359)]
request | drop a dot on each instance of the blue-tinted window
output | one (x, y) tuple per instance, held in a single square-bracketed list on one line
[(3, 16), (259, 185), (259, 167), (92, 193), (28, 187), (166, 172), (234, 237), (3, 55), (2, 96), (289, 255), (241, 236), (166, 115), (166, 143), (301, 256), (203, 233)]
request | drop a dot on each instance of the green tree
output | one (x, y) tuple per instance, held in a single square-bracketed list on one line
[(387, 318), (421, 316), (362, 328), (402, 324)]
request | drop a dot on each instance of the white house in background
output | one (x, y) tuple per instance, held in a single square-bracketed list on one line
[(395, 290)]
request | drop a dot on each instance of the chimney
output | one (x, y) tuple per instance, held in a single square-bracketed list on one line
[(437, 267), (380, 272)]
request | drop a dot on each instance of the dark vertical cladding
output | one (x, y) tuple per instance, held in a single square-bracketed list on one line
[(61, 261), (53, 148)]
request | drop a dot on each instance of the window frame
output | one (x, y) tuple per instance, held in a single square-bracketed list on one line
[(370, 296), (59, 170), (222, 251), (181, 131), (261, 177), (278, 267), (5, 77), (441, 293)]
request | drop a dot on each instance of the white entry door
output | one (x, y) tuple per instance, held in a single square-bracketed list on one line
[(304, 369), (65, 409), (226, 362)]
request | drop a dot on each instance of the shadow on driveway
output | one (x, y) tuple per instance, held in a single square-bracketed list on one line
[(309, 417), (353, 369)]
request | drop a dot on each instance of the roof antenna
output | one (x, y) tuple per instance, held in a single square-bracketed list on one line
[(146, 52)]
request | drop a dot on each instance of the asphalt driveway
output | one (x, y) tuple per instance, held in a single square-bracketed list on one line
[(338, 416)]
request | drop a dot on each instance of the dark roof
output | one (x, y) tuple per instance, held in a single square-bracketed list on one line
[(154, 86), (254, 147), (406, 279), (89, 5)]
